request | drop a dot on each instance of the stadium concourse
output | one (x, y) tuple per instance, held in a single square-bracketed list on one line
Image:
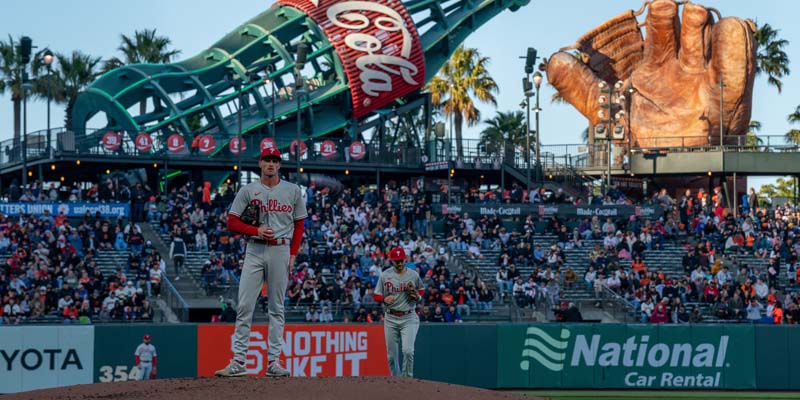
[(695, 263)]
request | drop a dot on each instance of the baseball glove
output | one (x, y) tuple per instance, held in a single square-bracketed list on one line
[(412, 292), (251, 215), (669, 93)]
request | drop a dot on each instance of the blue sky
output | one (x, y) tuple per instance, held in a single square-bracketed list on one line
[(94, 26)]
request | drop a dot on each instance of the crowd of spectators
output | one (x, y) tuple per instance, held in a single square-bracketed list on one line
[(720, 270), (347, 238), (49, 271), (50, 266)]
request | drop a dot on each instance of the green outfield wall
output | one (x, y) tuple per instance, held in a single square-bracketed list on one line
[(502, 356)]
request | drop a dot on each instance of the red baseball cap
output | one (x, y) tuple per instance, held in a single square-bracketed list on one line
[(270, 152), (146, 337), (397, 254)]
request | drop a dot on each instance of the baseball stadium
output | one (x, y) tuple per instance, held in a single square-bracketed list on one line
[(448, 199)]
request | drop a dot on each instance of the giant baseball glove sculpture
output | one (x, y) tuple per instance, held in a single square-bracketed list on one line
[(670, 79)]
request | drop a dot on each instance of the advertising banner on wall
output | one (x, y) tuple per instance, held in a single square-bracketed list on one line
[(115, 347), (107, 210), (626, 356), (547, 210), (309, 350), (39, 357)]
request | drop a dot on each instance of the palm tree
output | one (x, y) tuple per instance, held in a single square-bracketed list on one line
[(504, 127), (75, 73), (751, 137), (793, 135), (11, 68), (463, 77), (770, 57), (145, 47)]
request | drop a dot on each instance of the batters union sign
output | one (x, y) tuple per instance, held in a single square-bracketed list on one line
[(378, 45)]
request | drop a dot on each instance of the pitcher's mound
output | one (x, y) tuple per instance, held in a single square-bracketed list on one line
[(269, 388)]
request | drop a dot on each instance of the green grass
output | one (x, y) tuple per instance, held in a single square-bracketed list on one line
[(652, 395)]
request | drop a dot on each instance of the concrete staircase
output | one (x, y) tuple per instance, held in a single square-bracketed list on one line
[(190, 283)]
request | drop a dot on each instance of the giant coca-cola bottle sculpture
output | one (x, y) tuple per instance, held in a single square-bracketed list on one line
[(336, 61)]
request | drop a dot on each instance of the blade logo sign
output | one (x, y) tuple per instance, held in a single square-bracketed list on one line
[(378, 44)]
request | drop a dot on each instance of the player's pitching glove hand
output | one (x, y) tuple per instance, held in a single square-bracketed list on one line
[(251, 215), (412, 292)]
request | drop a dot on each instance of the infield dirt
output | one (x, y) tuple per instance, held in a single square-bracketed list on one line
[(269, 388)]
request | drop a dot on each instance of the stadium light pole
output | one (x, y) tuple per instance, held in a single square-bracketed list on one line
[(300, 91), (26, 87), (537, 82), (237, 85), (721, 112), (48, 61), (270, 70)]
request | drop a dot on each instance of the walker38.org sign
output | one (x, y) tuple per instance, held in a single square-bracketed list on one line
[(107, 210)]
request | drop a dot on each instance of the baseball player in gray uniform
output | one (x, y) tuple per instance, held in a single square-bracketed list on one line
[(399, 289), (271, 250), (146, 359)]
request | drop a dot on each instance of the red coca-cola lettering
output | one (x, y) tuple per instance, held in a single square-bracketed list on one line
[(175, 143), (237, 145), (207, 144), (144, 142), (357, 150), (111, 141), (327, 149), (378, 44)]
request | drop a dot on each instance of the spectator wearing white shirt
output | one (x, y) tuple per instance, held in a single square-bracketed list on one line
[(762, 290), (356, 238), (589, 277), (469, 222), (647, 310), (724, 276)]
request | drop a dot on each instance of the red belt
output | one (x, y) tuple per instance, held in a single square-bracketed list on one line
[(399, 313), (272, 242)]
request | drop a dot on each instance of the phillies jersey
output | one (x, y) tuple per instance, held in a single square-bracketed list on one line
[(390, 283), (146, 352), (280, 206)]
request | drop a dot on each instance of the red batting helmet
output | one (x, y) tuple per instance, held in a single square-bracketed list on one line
[(146, 337), (270, 152), (397, 254)]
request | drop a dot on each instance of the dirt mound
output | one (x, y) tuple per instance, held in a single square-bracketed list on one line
[(269, 388)]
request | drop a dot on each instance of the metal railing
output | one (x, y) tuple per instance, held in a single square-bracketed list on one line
[(174, 300), (557, 159)]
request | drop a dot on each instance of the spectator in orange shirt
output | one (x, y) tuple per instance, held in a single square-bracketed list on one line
[(777, 314), (639, 265), (447, 298)]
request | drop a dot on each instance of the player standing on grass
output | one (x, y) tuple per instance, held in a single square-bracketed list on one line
[(399, 289), (146, 359), (270, 212)]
